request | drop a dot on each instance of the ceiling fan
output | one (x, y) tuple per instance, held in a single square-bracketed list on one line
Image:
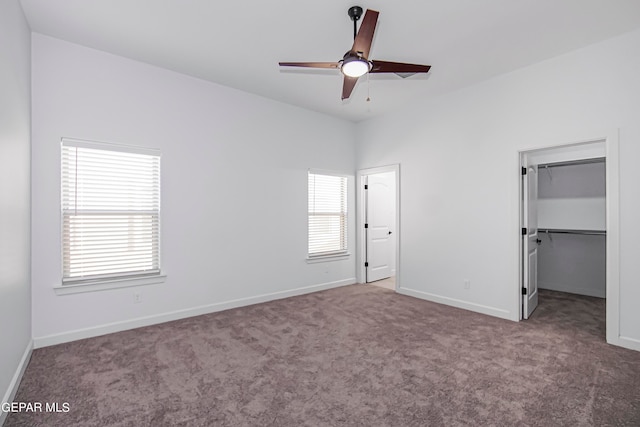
[(356, 63)]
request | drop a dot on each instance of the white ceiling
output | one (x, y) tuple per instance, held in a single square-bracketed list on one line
[(239, 43)]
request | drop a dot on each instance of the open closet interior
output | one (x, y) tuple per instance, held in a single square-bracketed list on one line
[(572, 227)]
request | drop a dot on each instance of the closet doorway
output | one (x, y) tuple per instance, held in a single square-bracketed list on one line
[(569, 221)]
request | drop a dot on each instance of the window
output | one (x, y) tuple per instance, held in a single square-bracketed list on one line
[(110, 212), (327, 215)]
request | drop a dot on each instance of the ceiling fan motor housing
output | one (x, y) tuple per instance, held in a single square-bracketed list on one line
[(355, 12)]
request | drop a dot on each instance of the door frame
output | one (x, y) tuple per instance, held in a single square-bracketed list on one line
[(612, 176), (361, 249)]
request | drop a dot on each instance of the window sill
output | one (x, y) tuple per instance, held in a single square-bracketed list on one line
[(327, 258), (107, 284)]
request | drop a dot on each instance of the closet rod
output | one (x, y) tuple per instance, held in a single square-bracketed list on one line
[(573, 162), (567, 231)]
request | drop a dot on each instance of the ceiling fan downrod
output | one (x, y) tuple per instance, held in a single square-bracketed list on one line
[(355, 12)]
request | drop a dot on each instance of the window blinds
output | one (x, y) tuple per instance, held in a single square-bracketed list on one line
[(327, 214), (110, 211)]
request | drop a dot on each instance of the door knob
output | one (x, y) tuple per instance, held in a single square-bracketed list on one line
[(389, 232), (538, 241)]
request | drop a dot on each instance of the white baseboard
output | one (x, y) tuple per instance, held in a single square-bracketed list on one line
[(626, 342), (466, 305), (10, 394), (109, 328)]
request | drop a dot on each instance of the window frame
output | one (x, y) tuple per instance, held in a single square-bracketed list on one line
[(337, 254), (68, 285)]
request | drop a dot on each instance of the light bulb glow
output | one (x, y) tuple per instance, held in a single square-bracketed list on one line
[(355, 67)]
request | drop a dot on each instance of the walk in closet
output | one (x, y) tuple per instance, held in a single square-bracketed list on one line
[(572, 227)]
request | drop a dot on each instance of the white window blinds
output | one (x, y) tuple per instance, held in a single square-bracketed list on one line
[(327, 214), (110, 211)]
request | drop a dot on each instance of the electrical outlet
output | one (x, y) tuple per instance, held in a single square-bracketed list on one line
[(467, 284), (137, 297)]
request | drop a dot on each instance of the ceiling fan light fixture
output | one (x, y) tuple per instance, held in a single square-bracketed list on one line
[(355, 63), (355, 66)]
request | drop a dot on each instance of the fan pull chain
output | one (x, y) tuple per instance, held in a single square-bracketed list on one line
[(368, 87)]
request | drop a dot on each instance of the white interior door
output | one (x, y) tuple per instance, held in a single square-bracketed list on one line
[(530, 241), (380, 220)]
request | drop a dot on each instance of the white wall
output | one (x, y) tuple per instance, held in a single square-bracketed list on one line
[(573, 263), (459, 172), (234, 188), (15, 195), (572, 197)]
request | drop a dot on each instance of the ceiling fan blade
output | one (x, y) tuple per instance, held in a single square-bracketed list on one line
[(362, 42), (310, 64), (398, 67), (347, 86)]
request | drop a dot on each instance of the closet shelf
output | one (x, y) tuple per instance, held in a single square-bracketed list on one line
[(570, 231)]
